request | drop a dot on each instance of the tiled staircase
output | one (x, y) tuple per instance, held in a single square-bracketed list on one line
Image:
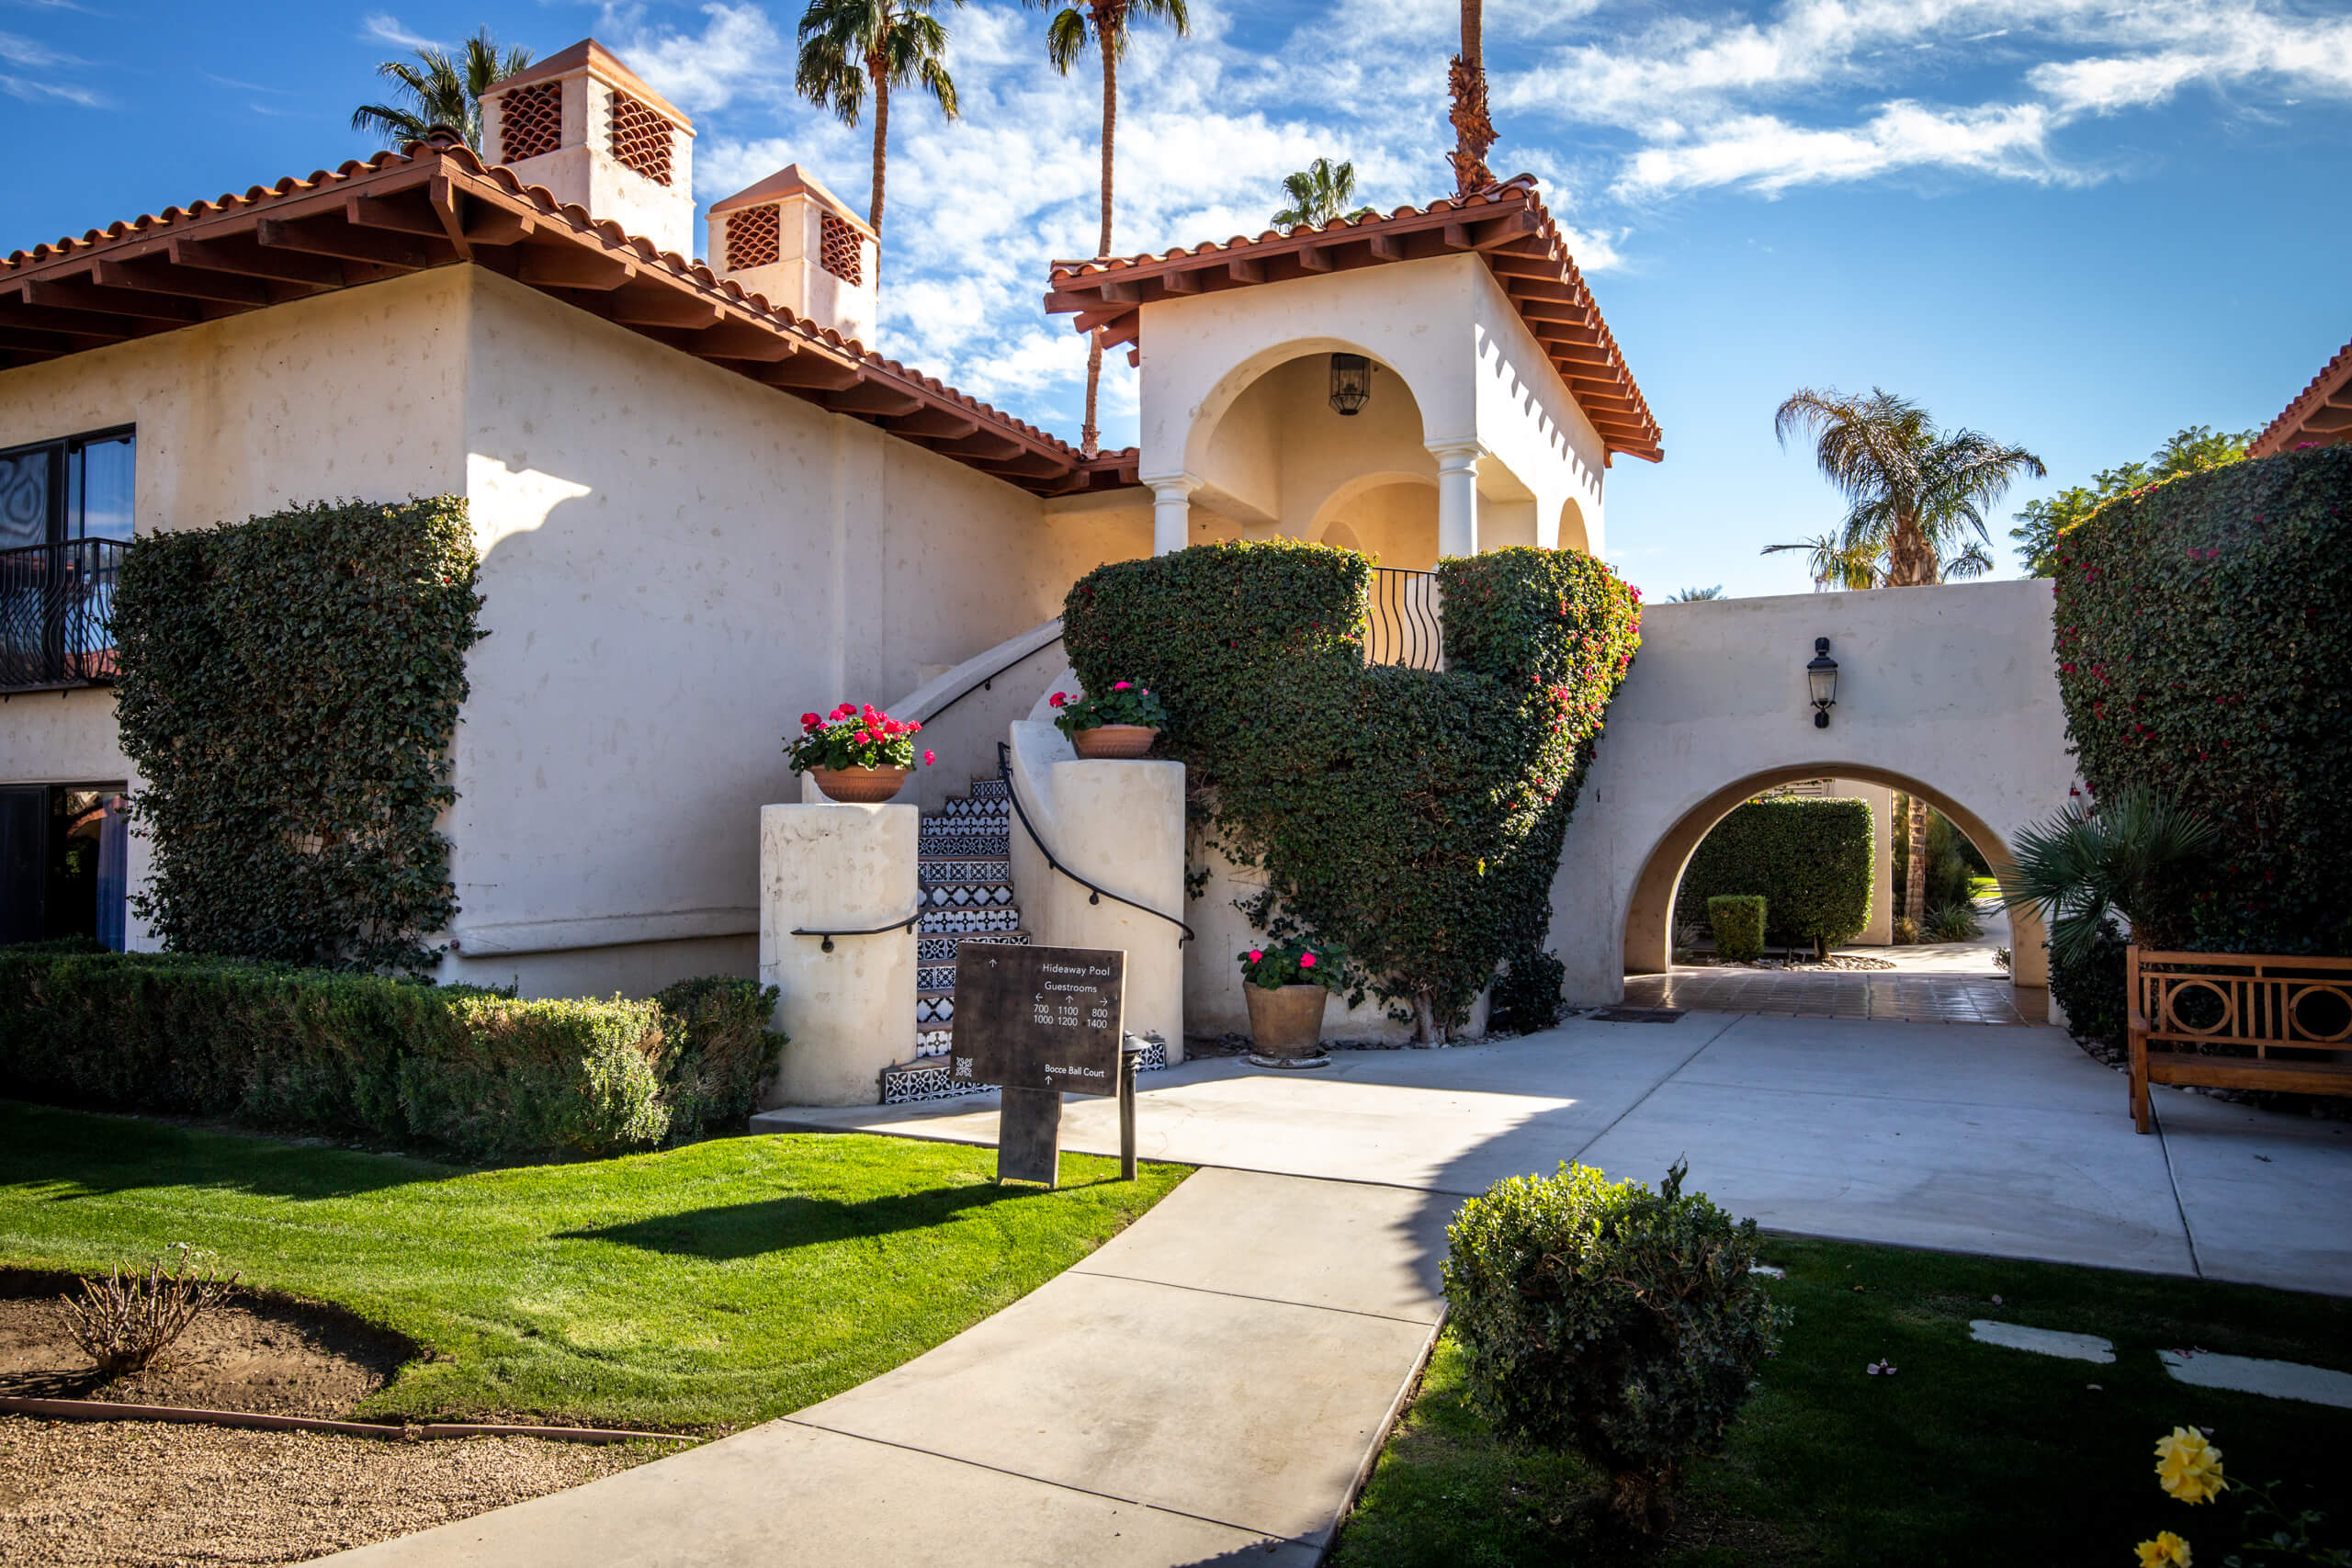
[(965, 872)]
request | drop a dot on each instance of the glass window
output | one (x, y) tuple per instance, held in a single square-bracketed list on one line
[(25, 484), (100, 488)]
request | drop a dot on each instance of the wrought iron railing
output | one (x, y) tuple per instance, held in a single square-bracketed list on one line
[(1405, 628), (57, 612)]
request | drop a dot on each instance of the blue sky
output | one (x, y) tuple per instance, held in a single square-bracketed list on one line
[(2077, 226)]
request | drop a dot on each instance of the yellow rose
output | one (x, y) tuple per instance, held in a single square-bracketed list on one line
[(2167, 1550), (2189, 1467)]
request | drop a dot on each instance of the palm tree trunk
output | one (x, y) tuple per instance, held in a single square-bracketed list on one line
[(1474, 46), (881, 148), (1915, 881), (1910, 560), (1106, 38)]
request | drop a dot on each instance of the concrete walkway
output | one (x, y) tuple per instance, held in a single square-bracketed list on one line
[(2005, 1141), (1207, 1387)]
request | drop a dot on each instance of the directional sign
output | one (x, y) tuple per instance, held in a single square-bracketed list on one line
[(1040, 1018)]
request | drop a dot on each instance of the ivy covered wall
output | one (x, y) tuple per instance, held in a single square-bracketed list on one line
[(1412, 817)]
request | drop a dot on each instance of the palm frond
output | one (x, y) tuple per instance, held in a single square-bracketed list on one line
[(2075, 867)]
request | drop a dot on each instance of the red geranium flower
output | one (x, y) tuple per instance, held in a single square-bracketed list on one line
[(928, 759), (1058, 698)]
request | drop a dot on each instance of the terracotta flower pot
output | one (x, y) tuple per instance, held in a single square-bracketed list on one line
[(1287, 1021), (859, 787), (1114, 740)]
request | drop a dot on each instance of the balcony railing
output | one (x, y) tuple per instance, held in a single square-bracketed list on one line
[(1405, 628), (56, 614)]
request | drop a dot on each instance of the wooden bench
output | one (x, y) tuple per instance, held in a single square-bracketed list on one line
[(2238, 1020)]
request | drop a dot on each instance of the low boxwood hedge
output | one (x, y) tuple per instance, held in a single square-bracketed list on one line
[(1809, 859), (483, 1075), (1738, 922)]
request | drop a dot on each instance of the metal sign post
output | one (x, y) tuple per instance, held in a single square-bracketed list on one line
[(1041, 1022)]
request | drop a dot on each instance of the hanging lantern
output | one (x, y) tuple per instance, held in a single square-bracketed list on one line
[(1822, 676), (1351, 383)]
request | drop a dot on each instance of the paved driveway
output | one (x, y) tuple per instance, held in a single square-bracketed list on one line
[(1999, 1140)]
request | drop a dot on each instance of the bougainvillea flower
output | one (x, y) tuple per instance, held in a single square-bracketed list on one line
[(1119, 685)]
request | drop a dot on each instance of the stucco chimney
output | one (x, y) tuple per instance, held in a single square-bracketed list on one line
[(582, 125), (797, 242)]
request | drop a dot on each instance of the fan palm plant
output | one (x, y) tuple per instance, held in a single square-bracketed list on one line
[(439, 90), (1318, 193), (2076, 866), (1913, 493), (848, 47), (1103, 24)]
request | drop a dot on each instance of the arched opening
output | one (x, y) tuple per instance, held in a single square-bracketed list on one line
[(1276, 459), (1573, 536), (1649, 913), (1391, 517)]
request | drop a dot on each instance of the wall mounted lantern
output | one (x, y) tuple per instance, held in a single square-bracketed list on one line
[(1822, 676), (1351, 383)]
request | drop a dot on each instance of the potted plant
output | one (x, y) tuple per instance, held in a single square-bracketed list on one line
[(860, 755), (1121, 722), (1286, 984)]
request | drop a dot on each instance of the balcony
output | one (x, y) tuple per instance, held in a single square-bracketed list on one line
[(56, 616), (1405, 626)]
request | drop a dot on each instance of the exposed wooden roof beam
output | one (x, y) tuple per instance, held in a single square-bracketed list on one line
[(157, 276), (873, 397), (930, 424), (240, 257), (133, 303), (569, 266), (664, 308), (309, 238), (810, 373)]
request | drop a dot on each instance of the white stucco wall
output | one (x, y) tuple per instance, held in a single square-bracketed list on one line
[(355, 393), (677, 563), (1948, 691), (1442, 327)]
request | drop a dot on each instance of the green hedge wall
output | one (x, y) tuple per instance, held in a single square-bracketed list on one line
[(1412, 818), (2204, 649), (1739, 921), (479, 1073), (289, 686), (1810, 859)]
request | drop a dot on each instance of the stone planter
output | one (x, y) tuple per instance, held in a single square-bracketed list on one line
[(1286, 1022), (1114, 740), (860, 786)]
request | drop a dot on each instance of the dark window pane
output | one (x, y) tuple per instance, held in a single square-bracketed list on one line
[(102, 488), (24, 498)]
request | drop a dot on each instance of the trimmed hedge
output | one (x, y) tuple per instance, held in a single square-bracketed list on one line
[(1737, 920), (289, 688), (482, 1073), (1411, 818), (1810, 859), (2205, 650)]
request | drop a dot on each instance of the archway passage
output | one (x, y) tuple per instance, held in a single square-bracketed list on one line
[(1649, 922)]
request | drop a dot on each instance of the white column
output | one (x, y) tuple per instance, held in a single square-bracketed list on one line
[(851, 1012), (1171, 513), (1457, 497)]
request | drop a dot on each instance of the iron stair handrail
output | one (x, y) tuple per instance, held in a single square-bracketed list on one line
[(987, 681), (1095, 894), (909, 923)]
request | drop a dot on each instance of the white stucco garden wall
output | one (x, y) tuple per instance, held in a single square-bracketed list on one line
[(355, 393), (1442, 327), (1950, 692)]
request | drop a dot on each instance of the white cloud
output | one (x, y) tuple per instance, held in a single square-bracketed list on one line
[(384, 28), (31, 54), (739, 51), (52, 92), (1768, 154)]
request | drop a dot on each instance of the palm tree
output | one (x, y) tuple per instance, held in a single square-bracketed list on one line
[(1693, 596), (1103, 24), (1835, 564), (848, 45), (440, 91), (1912, 492), (1319, 193), (1473, 131), (2085, 861)]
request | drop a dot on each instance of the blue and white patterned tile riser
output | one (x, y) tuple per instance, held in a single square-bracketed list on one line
[(916, 1082)]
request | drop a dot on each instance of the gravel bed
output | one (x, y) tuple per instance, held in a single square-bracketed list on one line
[(132, 1494)]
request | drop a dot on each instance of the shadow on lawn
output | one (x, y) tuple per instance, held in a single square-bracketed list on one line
[(772, 1225), (60, 1151)]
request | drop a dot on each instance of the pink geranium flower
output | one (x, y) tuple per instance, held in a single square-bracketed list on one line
[(809, 721), (864, 739), (928, 759), (1119, 685), (1256, 954), (1307, 961), (1058, 698)]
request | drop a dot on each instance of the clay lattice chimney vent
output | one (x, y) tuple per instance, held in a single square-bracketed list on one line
[(792, 240), (595, 135)]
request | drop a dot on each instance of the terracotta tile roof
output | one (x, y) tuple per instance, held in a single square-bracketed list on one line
[(436, 205), (2320, 415), (1505, 223)]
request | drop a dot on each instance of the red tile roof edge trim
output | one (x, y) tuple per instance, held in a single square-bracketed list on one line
[(2334, 376), (462, 162)]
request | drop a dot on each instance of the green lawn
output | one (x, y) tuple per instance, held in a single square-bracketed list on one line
[(716, 1284), (1969, 1455)]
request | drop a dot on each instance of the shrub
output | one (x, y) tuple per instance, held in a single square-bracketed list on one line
[(1527, 993), (1907, 930), (126, 1320), (1598, 1316), (721, 1051), (1952, 922), (2203, 651), (1410, 816), (2089, 982), (482, 1073), (290, 687), (1738, 922), (1810, 860)]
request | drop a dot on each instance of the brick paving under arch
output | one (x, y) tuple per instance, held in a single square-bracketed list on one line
[(1882, 996)]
